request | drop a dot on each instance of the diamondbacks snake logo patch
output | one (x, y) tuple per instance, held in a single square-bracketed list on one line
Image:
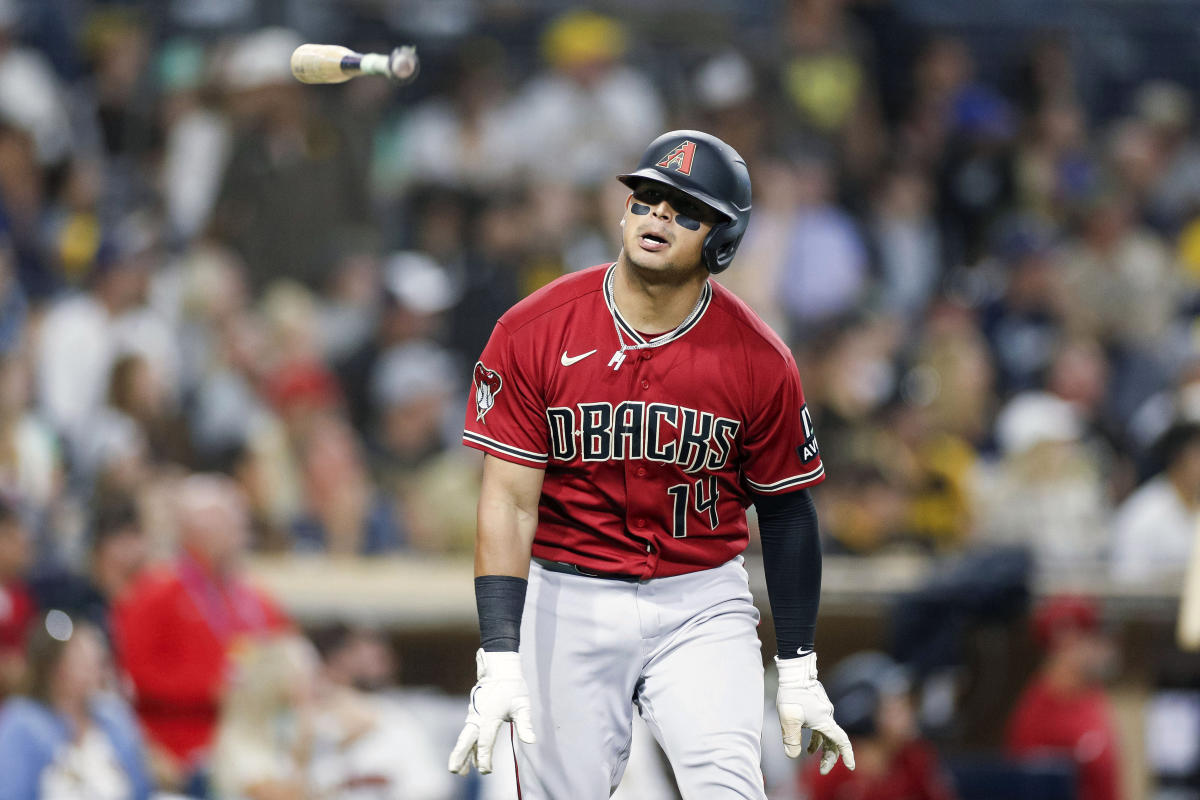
[(487, 385)]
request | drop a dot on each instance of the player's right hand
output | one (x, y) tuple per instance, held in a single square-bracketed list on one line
[(802, 703), (500, 695)]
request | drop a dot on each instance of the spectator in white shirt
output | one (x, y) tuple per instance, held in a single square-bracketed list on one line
[(591, 111), (83, 334), (1155, 528)]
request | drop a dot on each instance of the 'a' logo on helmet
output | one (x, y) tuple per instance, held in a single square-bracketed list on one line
[(680, 158)]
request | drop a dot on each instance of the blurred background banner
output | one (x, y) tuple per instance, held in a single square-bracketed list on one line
[(238, 317)]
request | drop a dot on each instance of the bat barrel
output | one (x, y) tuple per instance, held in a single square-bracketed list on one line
[(328, 63), (325, 63)]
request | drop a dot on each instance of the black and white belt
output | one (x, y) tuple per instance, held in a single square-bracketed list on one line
[(572, 569)]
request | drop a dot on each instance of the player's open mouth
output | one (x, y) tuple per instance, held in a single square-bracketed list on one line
[(651, 242)]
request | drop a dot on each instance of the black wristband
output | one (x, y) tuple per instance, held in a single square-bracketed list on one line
[(500, 599)]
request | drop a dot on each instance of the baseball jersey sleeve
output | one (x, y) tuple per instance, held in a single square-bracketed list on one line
[(781, 453), (506, 416)]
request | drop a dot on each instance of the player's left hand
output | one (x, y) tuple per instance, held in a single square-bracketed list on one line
[(802, 703)]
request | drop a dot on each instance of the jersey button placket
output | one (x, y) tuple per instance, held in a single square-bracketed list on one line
[(645, 383)]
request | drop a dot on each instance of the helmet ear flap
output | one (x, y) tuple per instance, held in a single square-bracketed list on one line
[(724, 254), (711, 252), (722, 243), (719, 259)]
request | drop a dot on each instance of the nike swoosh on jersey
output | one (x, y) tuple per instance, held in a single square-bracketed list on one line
[(569, 360)]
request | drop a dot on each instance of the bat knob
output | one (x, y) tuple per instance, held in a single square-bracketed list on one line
[(403, 64)]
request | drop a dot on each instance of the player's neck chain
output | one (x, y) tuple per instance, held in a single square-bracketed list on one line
[(638, 342)]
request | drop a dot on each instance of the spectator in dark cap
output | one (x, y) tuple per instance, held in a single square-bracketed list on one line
[(1024, 323), (411, 388), (117, 556), (976, 185), (284, 149), (1064, 710), (870, 696), (416, 293)]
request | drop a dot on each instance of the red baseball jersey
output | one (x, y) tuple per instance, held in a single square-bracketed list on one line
[(650, 460)]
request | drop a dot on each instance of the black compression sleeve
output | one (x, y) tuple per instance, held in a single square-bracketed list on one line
[(499, 599), (791, 545)]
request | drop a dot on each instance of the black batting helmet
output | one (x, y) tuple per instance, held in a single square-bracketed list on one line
[(705, 168)]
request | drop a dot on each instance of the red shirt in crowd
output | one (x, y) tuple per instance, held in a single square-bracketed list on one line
[(1077, 726), (913, 774), (172, 633), (16, 612)]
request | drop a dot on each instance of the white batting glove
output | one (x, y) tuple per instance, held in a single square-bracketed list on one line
[(802, 703), (500, 695)]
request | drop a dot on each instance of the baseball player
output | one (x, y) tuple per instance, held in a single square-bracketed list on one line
[(630, 413)]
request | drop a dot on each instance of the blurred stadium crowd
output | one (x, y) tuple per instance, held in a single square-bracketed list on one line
[(230, 302)]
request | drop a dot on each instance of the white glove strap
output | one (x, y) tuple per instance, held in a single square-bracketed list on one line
[(497, 665), (800, 671)]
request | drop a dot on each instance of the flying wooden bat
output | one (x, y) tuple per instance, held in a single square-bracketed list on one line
[(332, 63)]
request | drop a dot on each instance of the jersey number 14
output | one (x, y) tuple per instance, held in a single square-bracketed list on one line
[(703, 493)]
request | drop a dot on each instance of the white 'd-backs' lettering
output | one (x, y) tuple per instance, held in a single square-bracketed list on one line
[(696, 440)]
